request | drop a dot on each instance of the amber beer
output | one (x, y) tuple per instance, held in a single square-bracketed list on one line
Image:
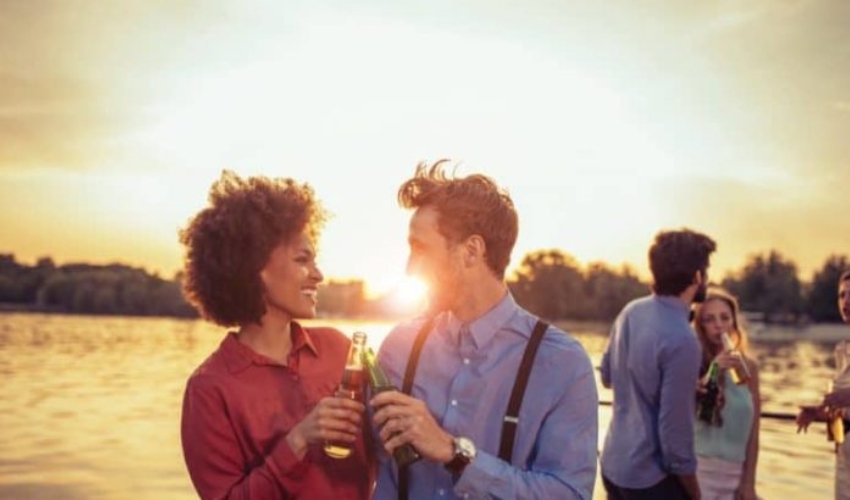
[(738, 376), (350, 387)]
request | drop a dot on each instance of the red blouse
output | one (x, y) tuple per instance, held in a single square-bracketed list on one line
[(239, 406)]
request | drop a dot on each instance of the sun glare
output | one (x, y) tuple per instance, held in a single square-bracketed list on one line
[(409, 291)]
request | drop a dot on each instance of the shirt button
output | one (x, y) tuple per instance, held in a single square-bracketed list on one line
[(466, 361), (454, 402)]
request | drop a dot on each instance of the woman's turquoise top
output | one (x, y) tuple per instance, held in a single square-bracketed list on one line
[(728, 441)]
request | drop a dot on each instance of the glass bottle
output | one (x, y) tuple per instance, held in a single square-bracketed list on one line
[(738, 376), (405, 454), (350, 387), (707, 401), (834, 422)]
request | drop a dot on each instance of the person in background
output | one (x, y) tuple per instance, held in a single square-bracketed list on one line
[(652, 363), (257, 412), (837, 400), (727, 451), (461, 235)]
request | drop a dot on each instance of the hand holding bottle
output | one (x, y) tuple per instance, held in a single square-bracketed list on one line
[(333, 419), (835, 422), (350, 389), (733, 363), (809, 414), (404, 454), (732, 360), (707, 398)]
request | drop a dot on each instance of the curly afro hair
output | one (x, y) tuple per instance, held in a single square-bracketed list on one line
[(229, 242)]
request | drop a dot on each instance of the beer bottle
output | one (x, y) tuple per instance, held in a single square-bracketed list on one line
[(405, 454), (350, 387), (834, 422), (741, 376), (707, 401), (835, 428)]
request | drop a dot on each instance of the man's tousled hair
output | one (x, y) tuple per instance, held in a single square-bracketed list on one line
[(471, 205)]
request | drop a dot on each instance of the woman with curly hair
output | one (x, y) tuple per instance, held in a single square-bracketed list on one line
[(727, 447), (258, 411)]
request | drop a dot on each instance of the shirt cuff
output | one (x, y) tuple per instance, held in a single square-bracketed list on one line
[(478, 476), (682, 467), (285, 463)]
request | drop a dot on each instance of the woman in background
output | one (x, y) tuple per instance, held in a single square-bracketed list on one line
[(258, 411), (836, 404), (727, 448)]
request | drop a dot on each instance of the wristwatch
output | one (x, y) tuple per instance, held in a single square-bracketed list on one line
[(464, 455)]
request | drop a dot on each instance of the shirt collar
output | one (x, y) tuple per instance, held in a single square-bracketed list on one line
[(675, 303), (301, 338), (239, 357), (482, 328)]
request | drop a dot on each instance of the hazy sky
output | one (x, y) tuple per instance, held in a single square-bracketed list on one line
[(606, 122)]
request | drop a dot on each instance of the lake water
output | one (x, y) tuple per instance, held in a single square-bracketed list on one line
[(90, 407)]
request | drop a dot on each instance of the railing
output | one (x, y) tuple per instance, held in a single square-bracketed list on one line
[(765, 414)]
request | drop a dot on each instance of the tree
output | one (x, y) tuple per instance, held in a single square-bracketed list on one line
[(552, 285), (823, 294), (608, 291), (549, 284), (768, 284)]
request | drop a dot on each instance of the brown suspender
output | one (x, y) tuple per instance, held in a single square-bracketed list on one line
[(407, 387), (511, 419)]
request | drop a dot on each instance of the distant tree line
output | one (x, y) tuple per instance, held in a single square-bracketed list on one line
[(552, 285), (769, 284), (549, 283), (89, 289)]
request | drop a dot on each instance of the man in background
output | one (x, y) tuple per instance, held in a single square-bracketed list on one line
[(652, 364)]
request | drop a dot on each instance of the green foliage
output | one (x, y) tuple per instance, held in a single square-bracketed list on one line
[(822, 297), (342, 298), (90, 289), (551, 284), (768, 284)]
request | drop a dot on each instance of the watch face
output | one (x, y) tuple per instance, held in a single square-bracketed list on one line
[(465, 448)]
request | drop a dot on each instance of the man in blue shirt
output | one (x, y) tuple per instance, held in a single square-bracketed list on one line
[(652, 363), (461, 236)]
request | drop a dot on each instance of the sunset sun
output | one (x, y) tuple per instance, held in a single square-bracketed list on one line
[(409, 292)]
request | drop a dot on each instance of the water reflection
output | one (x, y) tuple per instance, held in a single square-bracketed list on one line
[(89, 407)]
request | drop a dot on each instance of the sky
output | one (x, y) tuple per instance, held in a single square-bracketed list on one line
[(606, 121)]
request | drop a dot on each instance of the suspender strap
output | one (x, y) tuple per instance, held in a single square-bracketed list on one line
[(511, 420), (413, 360), (407, 386)]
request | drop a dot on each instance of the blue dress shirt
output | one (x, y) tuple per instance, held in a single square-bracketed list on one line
[(652, 364), (466, 381)]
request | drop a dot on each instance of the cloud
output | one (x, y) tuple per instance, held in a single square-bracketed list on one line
[(79, 78)]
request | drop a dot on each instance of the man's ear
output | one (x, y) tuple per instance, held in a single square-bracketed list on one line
[(698, 278), (474, 249)]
